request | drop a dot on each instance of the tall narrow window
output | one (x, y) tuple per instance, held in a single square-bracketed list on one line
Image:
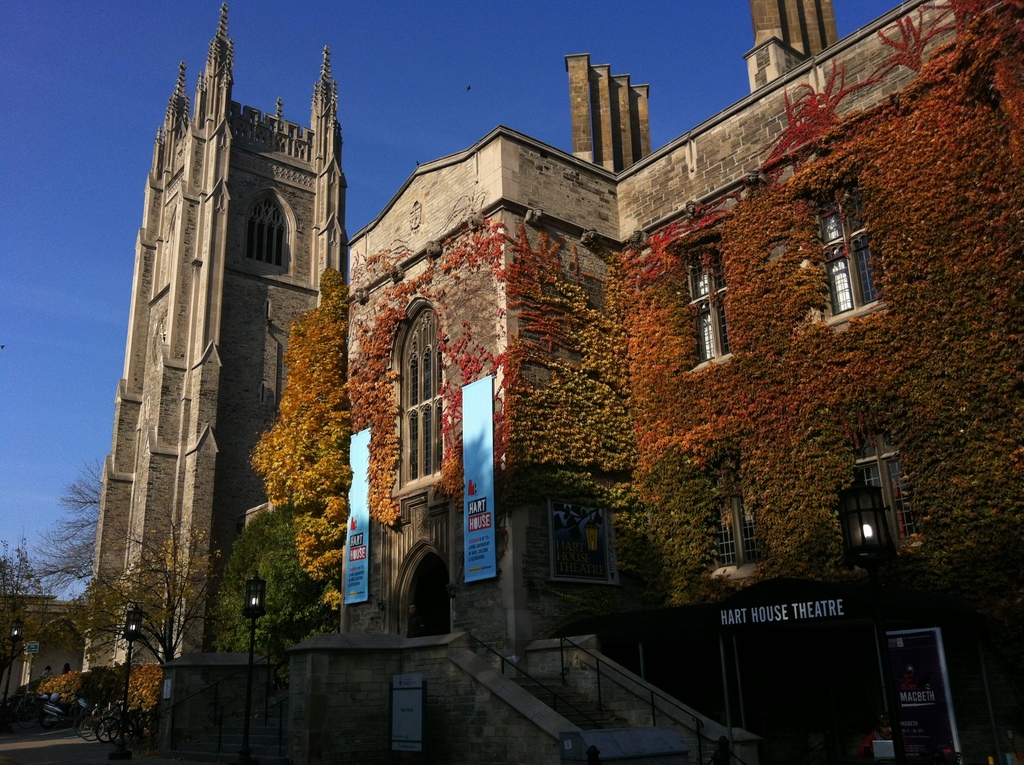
[(421, 398), (707, 293), (735, 534), (847, 255), (878, 464), (265, 235)]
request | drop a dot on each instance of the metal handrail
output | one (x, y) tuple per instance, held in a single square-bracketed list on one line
[(698, 723), (555, 697), (218, 707)]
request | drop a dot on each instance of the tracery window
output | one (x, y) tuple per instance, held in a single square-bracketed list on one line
[(878, 464), (707, 299), (266, 233), (421, 398), (847, 251)]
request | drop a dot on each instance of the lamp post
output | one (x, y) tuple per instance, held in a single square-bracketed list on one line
[(868, 543), (254, 608), (16, 627), (132, 629)]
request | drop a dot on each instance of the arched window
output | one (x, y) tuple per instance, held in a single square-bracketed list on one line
[(421, 398), (266, 233)]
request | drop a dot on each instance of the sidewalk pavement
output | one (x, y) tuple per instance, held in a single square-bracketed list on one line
[(63, 747)]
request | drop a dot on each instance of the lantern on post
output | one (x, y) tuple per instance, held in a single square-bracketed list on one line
[(867, 539), (254, 608), (868, 543), (132, 630)]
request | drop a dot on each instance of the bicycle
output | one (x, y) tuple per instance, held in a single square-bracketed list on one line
[(27, 710)]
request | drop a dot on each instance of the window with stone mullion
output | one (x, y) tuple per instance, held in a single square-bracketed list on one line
[(265, 233), (878, 464), (848, 260), (707, 293), (421, 390)]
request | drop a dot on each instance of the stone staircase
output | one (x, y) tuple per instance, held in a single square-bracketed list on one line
[(593, 693)]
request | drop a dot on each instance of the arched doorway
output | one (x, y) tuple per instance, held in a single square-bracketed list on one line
[(430, 594)]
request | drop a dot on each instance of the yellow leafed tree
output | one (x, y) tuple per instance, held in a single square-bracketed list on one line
[(304, 458)]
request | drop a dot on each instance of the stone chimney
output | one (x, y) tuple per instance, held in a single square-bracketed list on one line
[(610, 123), (787, 32)]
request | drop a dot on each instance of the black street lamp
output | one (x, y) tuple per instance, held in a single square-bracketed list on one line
[(132, 631), (16, 627), (254, 608), (868, 543)]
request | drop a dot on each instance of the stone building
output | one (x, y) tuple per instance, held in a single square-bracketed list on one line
[(243, 212), (543, 274)]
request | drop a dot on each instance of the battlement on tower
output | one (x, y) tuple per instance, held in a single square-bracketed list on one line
[(270, 132)]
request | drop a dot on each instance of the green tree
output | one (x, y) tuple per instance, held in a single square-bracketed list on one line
[(295, 602), (19, 588)]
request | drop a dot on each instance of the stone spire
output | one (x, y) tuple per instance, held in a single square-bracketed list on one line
[(213, 93), (177, 117), (325, 92), (324, 119), (221, 56), (331, 239)]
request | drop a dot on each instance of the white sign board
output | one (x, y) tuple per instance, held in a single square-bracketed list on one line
[(408, 697)]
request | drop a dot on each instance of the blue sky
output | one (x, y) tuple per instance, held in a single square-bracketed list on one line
[(84, 87)]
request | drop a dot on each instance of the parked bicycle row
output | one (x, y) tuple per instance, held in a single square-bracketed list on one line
[(92, 723)]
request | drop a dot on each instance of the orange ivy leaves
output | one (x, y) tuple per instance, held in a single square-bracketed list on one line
[(304, 458), (938, 369)]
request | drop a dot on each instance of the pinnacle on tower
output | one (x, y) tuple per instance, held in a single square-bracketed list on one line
[(178, 104), (220, 59), (325, 92)]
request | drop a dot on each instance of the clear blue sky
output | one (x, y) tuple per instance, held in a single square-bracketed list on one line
[(84, 87)]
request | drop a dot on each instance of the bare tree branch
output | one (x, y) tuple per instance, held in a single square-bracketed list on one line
[(64, 554), (168, 579)]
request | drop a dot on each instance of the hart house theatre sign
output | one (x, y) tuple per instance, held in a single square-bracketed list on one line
[(794, 611)]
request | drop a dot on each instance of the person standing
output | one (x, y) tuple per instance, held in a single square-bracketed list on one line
[(882, 732), (415, 627)]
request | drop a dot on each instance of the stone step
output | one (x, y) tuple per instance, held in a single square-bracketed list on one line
[(575, 706)]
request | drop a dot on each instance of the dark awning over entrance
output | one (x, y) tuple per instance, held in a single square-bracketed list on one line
[(776, 604)]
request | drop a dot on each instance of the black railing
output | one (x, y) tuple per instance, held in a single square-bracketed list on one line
[(556, 699), (221, 706), (698, 724)]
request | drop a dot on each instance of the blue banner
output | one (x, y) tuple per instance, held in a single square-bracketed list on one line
[(478, 464), (357, 544)]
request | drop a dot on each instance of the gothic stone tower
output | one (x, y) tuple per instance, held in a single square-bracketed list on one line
[(243, 212)]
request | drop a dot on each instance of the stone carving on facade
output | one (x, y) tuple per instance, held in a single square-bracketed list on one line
[(637, 240), (415, 216), (275, 171), (534, 216)]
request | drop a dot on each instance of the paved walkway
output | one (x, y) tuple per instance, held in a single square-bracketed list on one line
[(63, 747)]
